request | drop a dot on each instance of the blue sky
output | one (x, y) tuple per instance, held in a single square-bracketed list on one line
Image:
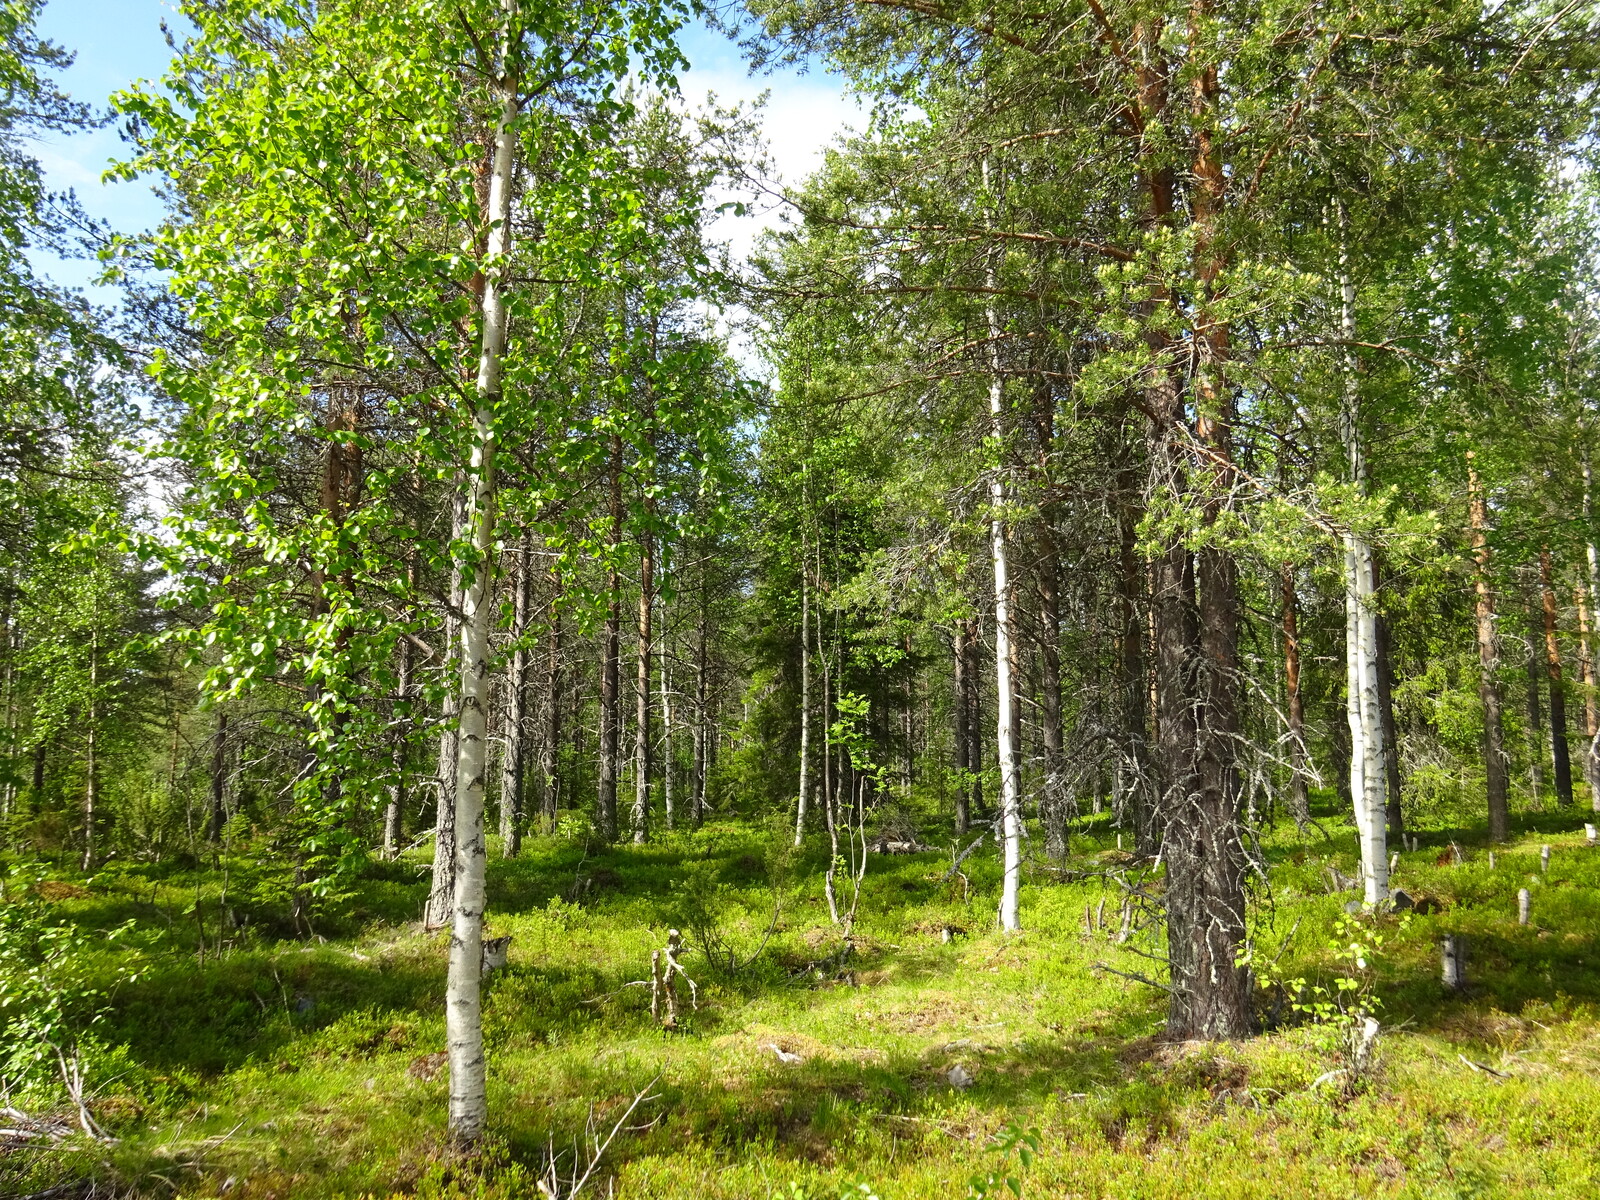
[(119, 41)]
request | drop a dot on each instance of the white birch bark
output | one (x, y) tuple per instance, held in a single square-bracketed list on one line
[(805, 699), (1592, 555), (1005, 717), (1368, 777), (469, 1108)]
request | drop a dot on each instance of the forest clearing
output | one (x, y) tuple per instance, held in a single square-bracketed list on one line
[(555, 645)]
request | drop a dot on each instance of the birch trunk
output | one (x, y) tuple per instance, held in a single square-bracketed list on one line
[(1592, 557), (91, 776), (803, 783), (641, 716), (463, 1014), (1368, 768), (1005, 715), (1591, 718), (515, 752), (1560, 757), (1494, 757)]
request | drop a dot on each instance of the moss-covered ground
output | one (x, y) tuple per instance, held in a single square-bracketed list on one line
[(274, 1067)]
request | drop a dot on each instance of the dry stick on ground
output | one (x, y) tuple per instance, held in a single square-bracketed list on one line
[(550, 1185)]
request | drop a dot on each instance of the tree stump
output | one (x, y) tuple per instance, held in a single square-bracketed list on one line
[(665, 970), (1453, 963)]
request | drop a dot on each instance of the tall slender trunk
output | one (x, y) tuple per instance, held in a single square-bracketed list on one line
[(974, 700), (469, 1106), (1005, 714), (515, 733), (91, 767), (1532, 664), (1299, 802), (963, 717), (611, 661), (219, 779), (441, 895), (1559, 755), (1494, 755), (1134, 793), (1055, 800), (1592, 560), (804, 782), (697, 785), (1368, 768), (550, 755), (1391, 741), (394, 811), (908, 732), (669, 761), (1591, 718), (641, 721)]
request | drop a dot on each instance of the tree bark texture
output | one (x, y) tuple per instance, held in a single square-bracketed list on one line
[(1560, 757), (1299, 801), (550, 752), (516, 715), (219, 780), (469, 1109), (804, 782), (1494, 756), (1591, 718), (641, 719), (1005, 714), (611, 663)]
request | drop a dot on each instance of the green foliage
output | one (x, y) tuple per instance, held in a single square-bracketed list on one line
[(52, 996), (1011, 1141)]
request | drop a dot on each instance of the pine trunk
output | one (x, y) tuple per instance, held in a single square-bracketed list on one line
[(1055, 801), (550, 756), (963, 720), (1299, 801), (611, 663), (1560, 757)]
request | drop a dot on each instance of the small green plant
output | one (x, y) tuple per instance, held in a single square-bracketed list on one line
[(1348, 1010), (1012, 1141)]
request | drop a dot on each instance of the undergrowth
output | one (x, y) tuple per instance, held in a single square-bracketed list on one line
[(238, 1061)]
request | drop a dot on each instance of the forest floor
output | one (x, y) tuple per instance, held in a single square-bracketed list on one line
[(268, 1067)]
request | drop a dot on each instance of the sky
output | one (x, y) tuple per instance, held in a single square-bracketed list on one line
[(119, 41)]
